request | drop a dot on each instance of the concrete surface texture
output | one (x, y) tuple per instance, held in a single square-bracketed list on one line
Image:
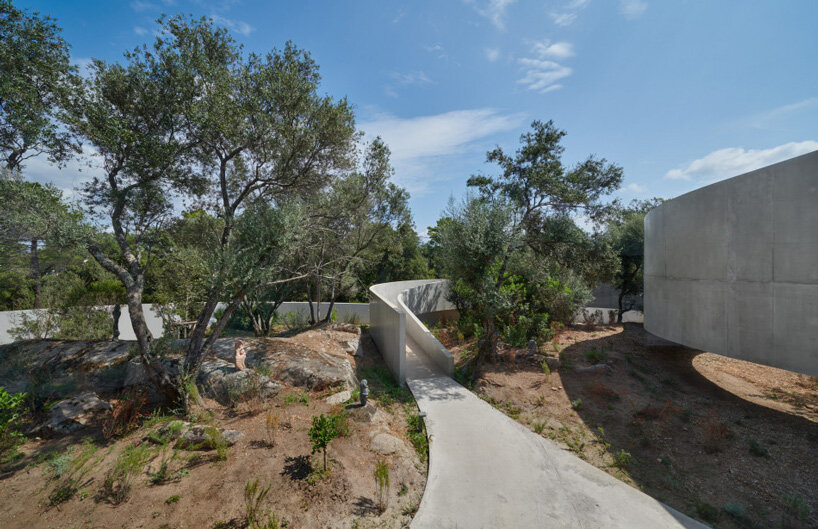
[(732, 268), (488, 471)]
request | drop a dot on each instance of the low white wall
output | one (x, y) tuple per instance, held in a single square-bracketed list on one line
[(428, 297), (11, 319), (387, 326)]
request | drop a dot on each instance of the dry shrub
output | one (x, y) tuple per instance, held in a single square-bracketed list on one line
[(126, 416), (715, 432), (600, 391)]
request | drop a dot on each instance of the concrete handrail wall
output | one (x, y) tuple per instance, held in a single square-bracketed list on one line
[(732, 268), (395, 310), (426, 299)]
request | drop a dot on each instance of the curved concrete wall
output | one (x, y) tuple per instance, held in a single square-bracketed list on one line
[(732, 268), (395, 310)]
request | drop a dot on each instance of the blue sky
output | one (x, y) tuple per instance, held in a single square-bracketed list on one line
[(679, 93)]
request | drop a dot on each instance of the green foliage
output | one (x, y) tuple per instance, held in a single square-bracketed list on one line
[(256, 516), (795, 507), (384, 389), (11, 408), (119, 480), (69, 471), (323, 430), (515, 257), (36, 80), (576, 404), (622, 459), (300, 398), (382, 483), (417, 435), (595, 356), (172, 499), (758, 449)]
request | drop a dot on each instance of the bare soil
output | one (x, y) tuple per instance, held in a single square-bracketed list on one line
[(725, 441), (204, 491)]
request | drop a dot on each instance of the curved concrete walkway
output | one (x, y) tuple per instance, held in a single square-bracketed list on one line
[(488, 471)]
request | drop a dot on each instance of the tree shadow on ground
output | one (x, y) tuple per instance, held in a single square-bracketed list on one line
[(297, 468)]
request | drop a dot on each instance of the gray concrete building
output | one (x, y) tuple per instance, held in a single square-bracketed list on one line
[(732, 268)]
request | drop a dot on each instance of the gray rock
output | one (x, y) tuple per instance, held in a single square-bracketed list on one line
[(362, 413), (170, 431), (224, 382), (553, 363), (202, 437), (72, 414), (339, 398), (347, 327), (386, 444), (311, 370)]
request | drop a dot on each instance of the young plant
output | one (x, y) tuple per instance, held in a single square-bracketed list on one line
[(118, 482), (414, 427), (271, 425), (11, 406), (324, 429), (382, 483), (257, 517)]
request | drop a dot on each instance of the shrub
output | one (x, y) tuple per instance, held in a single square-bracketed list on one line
[(577, 404), (758, 449), (172, 499), (255, 515), (126, 416), (118, 481), (321, 433), (11, 407), (795, 508), (622, 459), (414, 428), (382, 483), (271, 425), (70, 472), (707, 512), (715, 432), (594, 357)]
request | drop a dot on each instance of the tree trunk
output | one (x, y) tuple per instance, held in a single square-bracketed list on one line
[(619, 315), (156, 371), (35, 272), (309, 300)]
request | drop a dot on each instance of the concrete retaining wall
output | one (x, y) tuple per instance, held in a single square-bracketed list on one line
[(428, 297), (732, 268), (387, 326)]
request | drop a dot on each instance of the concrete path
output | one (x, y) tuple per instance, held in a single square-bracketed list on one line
[(488, 471)]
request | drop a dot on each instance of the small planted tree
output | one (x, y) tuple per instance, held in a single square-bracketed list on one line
[(323, 430)]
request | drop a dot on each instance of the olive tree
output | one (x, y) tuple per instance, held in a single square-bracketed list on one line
[(243, 137), (519, 227), (36, 83)]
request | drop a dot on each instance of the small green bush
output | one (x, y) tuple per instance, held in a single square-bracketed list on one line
[(594, 357), (382, 482), (323, 430), (414, 428), (11, 408), (758, 449), (622, 459)]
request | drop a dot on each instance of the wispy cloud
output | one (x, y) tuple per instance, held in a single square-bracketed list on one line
[(139, 30), (411, 78), (733, 161), (238, 26), (542, 73), (632, 9), (635, 188), (492, 54), (421, 144), (558, 50), (567, 15), (765, 119), (139, 6), (494, 11)]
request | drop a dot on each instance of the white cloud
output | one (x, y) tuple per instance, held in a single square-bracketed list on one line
[(492, 54), (636, 188), (495, 11), (234, 25), (569, 12), (733, 161), (542, 76), (139, 30), (632, 9), (557, 50), (139, 6), (420, 144), (765, 119), (69, 178), (411, 78)]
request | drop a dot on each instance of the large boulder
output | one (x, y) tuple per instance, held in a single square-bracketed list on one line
[(72, 414), (311, 370), (227, 384)]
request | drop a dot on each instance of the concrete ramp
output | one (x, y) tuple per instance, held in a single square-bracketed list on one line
[(488, 471)]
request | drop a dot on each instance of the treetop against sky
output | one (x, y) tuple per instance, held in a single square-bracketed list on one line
[(679, 94)]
